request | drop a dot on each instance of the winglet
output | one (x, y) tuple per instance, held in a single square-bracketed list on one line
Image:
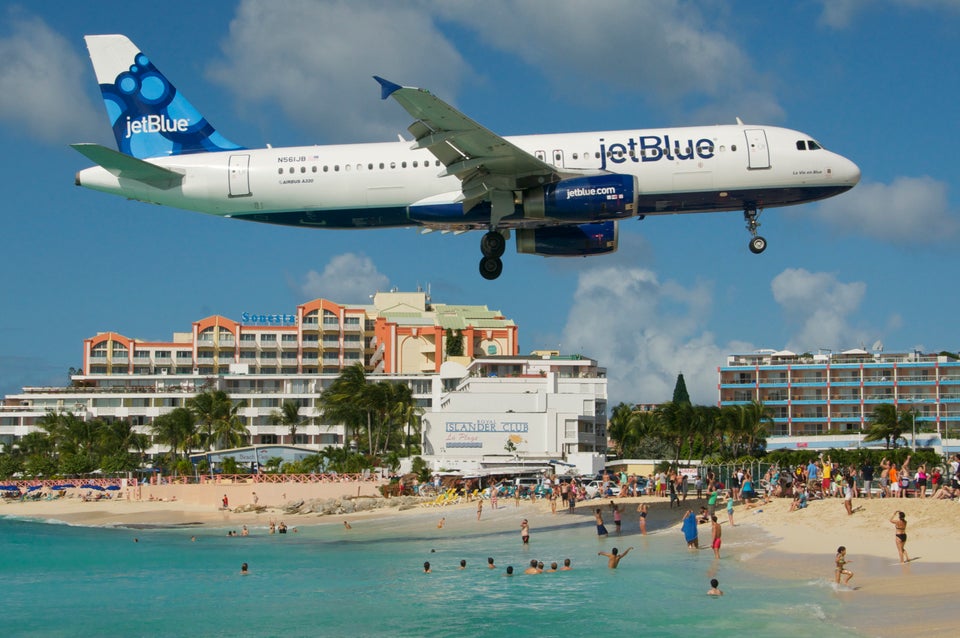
[(387, 88)]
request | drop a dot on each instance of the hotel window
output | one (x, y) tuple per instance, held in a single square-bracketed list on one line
[(288, 338), (268, 338), (269, 439), (248, 337)]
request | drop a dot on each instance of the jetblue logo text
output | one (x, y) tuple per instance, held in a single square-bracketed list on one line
[(156, 124), (652, 148), (609, 191)]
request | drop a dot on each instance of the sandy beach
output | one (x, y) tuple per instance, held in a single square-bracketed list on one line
[(886, 598)]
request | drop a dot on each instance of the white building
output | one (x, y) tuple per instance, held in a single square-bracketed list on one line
[(524, 411), (553, 408)]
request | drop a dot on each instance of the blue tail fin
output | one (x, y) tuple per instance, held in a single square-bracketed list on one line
[(150, 118)]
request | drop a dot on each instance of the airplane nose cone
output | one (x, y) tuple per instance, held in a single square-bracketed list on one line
[(848, 172)]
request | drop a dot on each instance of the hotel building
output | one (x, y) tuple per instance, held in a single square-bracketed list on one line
[(399, 333), (265, 360), (810, 394)]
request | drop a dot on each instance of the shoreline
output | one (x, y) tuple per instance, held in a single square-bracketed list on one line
[(888, 599)]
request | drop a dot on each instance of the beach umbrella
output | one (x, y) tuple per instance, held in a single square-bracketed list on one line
[(60, 487), (90, 486), (113, 487), (34, 488), (9, 488)]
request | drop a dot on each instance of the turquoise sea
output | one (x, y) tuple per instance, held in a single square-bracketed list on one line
[(61, 580)]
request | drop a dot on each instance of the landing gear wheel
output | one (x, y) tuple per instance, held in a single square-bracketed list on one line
[(493, 244), (757, 244), (491, 267)]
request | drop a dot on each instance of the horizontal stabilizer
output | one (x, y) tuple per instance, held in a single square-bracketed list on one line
[(126, 167)]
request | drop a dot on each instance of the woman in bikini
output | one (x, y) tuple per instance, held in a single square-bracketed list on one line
[(642, 508), (899, 521)]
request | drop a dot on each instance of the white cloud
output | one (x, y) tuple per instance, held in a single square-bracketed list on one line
[(646, 332), (315, 61), (819, 307), (839, 14), (911, 210), (667, 51), (347, 278), (42, 90)]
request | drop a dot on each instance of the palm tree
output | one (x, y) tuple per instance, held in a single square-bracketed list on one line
[(887, 424), (122, 436), (289, 416), (401, 411), (745, 426), (230, 430), (218, 419), (176, 428), (347, 401), (676, 425), (620, 427)]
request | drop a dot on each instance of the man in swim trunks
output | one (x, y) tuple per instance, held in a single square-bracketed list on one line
[(598, 517), (715, 527), (525, 531)]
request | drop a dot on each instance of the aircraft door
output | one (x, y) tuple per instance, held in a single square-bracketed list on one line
[(758, 153), (540, 155), (239, 182), (558, 158)]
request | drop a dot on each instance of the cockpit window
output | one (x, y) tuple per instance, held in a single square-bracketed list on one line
[(813, 146), (801, 145)]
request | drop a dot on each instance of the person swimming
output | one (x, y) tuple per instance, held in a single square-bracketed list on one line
[(714, 588)]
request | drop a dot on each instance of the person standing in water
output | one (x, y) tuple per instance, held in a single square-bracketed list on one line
[(899, 521)]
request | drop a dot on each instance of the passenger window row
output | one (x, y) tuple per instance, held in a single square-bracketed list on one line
[(359, 167)]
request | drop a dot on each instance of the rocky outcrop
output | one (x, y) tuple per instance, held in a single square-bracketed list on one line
[(338, 506)]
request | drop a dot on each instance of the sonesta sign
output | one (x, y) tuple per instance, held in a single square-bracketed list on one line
[(256, 319)]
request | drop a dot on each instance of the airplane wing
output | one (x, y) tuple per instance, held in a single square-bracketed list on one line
[(488, 166), (127, 167)]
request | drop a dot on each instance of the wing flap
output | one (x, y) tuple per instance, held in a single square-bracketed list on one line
[(127, 167)]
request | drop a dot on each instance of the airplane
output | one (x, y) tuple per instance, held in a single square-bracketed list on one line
[(561, 194)]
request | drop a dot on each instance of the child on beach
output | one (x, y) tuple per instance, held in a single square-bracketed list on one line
[(841, 565)]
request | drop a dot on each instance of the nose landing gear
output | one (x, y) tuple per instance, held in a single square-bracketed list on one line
[(757, 243)]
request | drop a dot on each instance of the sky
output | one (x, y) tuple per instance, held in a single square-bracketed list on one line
[(873, 80)]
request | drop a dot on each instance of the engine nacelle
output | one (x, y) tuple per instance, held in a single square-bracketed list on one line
[(574, 240), (583, 199)]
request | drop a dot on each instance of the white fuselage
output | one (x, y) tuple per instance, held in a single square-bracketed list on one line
[(679, 170)]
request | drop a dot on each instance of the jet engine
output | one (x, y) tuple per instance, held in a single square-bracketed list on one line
[(573, 240)]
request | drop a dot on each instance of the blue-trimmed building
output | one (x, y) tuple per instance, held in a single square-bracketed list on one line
[(810, 394)]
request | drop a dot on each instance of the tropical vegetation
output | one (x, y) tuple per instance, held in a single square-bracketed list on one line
[(379, 417)]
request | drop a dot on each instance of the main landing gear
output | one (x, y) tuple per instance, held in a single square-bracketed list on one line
[(757, 243), (492, 245)]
